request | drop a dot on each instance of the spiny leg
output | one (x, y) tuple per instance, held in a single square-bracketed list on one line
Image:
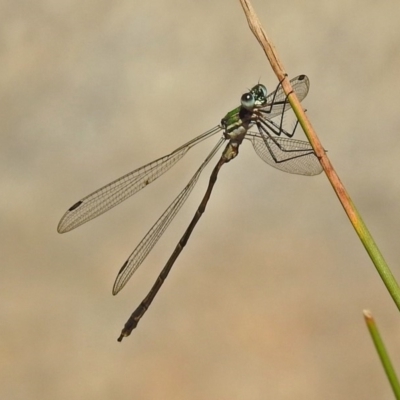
[(281, 129), (266, 136), (269, 109)]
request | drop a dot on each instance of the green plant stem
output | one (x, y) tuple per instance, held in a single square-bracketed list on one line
[(383, 355)]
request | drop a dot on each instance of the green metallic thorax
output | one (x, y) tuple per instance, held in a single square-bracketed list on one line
[(236, 123)]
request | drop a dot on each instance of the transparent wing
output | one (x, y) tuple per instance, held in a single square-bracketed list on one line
[(156, 231), (297, 156), (119, 190), (276, 99)]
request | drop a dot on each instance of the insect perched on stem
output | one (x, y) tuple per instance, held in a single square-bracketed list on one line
[(257, 110)]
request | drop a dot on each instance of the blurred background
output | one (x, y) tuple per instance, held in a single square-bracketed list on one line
[(266, 300)]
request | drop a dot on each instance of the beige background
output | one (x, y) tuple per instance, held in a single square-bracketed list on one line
[(266, 300)]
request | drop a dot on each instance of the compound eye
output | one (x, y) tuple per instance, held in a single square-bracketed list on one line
[(248, 101), (263, 90)]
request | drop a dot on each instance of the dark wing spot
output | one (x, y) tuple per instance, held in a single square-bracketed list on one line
[(123, 267), (75, 206)]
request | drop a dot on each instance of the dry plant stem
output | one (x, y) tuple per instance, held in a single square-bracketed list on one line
[(344, 198)]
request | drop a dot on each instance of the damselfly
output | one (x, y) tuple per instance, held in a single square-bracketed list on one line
[(257, 110)]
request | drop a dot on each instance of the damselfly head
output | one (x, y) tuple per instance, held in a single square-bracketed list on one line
[(255, 98)]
